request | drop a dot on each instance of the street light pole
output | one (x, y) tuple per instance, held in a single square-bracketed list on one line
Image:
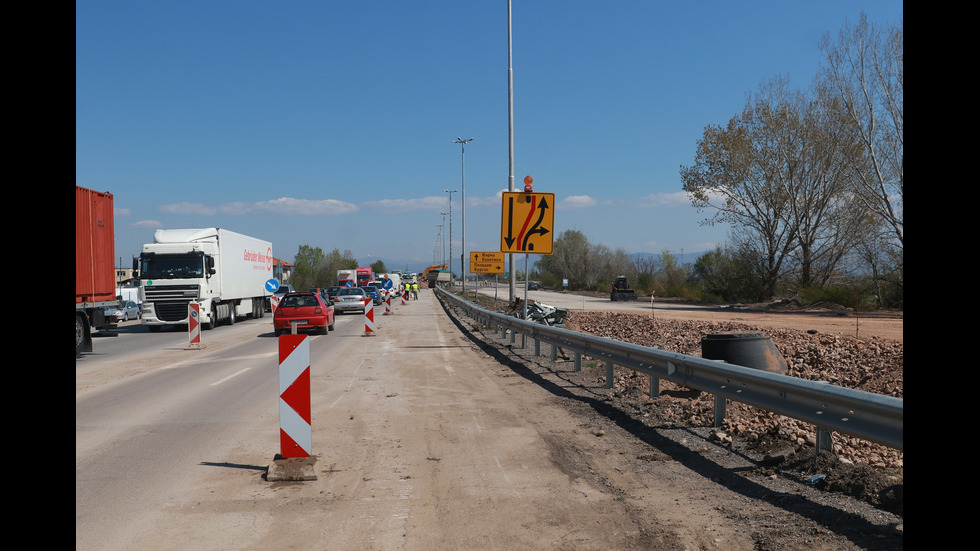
[(443, 237), (450, 192), (462, 258), (510, 128), (439, 244)]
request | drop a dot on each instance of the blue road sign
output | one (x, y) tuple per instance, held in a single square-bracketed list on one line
[(272, 285)]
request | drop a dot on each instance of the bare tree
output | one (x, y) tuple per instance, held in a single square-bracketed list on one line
[(865, 69), (738, 172)]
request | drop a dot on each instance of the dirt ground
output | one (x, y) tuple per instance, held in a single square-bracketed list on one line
[(845, 504)]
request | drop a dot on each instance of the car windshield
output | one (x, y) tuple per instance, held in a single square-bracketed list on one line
[(347, 292), (299, 301)]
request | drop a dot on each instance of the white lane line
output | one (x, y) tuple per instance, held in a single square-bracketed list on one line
[(232, 376)]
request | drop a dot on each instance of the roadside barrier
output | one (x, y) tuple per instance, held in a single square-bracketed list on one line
[(829, 408), (194, 326), (295, 419), (368, 317), (387, 305)]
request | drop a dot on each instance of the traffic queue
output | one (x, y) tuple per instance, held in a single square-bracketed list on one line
[(315, 309)]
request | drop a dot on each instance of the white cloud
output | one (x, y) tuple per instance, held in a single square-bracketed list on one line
[(424, 203), (148, 224), (322, 207), (577, 202)]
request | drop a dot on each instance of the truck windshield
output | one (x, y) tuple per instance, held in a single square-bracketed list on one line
[(171, 266)]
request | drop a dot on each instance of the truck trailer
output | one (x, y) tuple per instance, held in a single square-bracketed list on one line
[(222, 271), (95, 274)]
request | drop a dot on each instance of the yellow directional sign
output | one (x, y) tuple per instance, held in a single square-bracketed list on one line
[(486, 263), (527, 223)]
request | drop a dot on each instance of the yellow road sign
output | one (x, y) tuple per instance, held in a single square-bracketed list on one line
[(486, 263), (527, 223)]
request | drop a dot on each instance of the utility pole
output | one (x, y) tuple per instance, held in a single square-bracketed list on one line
[(462, 258)]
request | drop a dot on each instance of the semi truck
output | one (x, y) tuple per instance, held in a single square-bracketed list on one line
[(95, 274), (347, 278), (365, 275), (224, 272)]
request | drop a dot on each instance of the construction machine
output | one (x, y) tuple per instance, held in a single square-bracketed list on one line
[(431, 274), (621, 290)]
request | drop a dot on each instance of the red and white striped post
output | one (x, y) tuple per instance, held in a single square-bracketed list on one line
[(368, 317), (295, 417), (387, 304), (274, 302), (405, 292), (193, 325)]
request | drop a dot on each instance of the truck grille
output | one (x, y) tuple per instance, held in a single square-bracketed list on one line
[(170, 301), (171, 311)]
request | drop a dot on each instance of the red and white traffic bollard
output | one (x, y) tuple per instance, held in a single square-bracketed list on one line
[(387, 305), (368, 317), (295, 417), (194, 326)]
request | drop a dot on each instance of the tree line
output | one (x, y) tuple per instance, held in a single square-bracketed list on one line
[(810, 181), (312, 268)]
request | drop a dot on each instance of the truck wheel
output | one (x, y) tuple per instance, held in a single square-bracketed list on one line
[(79, 335)]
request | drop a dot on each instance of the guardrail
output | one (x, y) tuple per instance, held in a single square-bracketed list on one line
[(865, 415)]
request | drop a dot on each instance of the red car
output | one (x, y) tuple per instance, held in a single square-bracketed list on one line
[(308, 310)]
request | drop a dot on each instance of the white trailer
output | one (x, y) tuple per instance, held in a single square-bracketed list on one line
[(223, 271)]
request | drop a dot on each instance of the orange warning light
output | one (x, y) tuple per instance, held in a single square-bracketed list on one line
[(527, 184)]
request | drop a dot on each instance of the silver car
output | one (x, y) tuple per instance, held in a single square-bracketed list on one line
[(127, 310), (350, 299)]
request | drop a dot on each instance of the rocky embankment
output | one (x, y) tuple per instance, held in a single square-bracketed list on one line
[(868, 364)]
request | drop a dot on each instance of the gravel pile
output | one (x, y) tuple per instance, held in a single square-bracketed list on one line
[(868, 364)]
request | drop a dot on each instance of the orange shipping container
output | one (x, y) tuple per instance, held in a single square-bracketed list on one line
[(95, 277)]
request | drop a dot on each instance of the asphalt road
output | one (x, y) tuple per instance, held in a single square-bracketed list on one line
[(420, 441)]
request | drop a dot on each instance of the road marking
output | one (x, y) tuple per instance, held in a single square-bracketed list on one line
[(232, 376)]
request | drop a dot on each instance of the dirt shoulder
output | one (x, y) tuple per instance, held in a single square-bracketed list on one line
[(787, 496)]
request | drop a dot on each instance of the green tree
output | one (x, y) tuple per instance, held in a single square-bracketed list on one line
[(378, 267), (307, 267)]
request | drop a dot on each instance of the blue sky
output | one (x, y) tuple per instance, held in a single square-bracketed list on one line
[(331, 124)]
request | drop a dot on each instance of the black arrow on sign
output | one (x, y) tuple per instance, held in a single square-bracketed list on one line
[(536, 228), (510, 222)]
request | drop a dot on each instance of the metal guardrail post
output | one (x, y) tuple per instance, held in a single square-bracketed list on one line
[(720, 404), (609, 374)]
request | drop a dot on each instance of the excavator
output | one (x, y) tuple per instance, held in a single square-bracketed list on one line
[(434, 269), (621, 290)]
